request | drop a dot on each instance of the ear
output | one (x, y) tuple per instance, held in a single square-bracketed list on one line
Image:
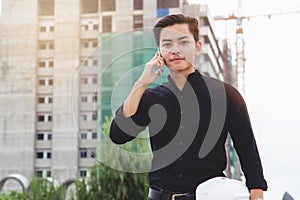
[(198, 47)]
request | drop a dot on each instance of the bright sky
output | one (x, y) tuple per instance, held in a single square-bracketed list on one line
[(272, 80)]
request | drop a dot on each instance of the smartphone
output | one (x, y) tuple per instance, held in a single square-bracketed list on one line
[(159, 54)]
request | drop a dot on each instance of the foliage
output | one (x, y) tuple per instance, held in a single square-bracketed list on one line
[(38, 189), (134, 156), (13, 195), (81, 190), (42, 189), (111, 184)]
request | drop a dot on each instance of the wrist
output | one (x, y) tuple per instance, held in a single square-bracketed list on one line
[(141, 83), (256, 194)]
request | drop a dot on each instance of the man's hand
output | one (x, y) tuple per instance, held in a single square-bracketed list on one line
[(256, 194), (152, 70)]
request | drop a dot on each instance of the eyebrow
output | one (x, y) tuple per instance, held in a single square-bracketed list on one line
[(183, 37), (180, 38)]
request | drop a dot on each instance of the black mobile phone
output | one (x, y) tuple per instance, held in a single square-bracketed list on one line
[(159, 54)]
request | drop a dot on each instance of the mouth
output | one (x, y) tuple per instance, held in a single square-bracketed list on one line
[(176, 59)]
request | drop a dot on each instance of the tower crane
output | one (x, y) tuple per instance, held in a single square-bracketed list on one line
[(240, 43), (239, 70)]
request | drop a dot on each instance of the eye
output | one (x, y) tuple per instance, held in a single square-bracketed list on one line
[(166, 45), (184, 42)]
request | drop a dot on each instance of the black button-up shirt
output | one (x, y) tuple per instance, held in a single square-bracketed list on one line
[(188, 131)]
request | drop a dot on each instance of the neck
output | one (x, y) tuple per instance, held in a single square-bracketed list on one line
[(180, 77)]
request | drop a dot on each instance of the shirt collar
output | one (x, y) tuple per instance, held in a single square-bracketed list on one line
[(192, 77)]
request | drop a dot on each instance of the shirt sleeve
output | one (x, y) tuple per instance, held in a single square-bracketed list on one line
[(244, 142), (124, 129)]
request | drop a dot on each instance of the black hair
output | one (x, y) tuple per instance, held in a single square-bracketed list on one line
[(176, 19)]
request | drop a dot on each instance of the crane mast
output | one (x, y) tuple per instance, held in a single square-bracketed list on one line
[(239, 70), (240, 51)]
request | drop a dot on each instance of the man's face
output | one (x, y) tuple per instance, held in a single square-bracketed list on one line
[(178, 47)]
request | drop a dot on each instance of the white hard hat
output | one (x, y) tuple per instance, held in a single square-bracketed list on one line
[(221, 188)]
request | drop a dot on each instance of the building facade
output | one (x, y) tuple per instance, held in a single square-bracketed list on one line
[(51, 63)]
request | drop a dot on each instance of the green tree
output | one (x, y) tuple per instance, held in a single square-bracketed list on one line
[(13, 195), (38, 189), (108, 183)]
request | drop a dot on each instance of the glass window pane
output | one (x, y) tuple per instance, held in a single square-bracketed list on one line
[(106, 24), (51, 45), (51, 28), (42, 29), (40, 136), (51, 64), (41, 118), (49, 154), (167, 3), (42, 82), (46, 7), (108, 5), (39, 173), (138, 5), (89, 6), (82, 173), (39, 155), (48, 174), (42, 64), (41, 99), (94, 117), (42, 46), (138, 21), (83, 135)]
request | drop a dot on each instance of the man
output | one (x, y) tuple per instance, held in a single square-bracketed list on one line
[(195, 111)]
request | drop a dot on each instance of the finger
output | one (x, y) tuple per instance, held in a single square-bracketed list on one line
[(157, 62), (158, 53), (158, 59), (159, 65), (155, 56), (159, 72), (161, 61)]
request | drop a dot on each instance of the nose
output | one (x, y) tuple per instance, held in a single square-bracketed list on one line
[(175, 49)]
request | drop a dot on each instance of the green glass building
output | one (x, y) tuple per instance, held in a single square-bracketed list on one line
[(122, 58)]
